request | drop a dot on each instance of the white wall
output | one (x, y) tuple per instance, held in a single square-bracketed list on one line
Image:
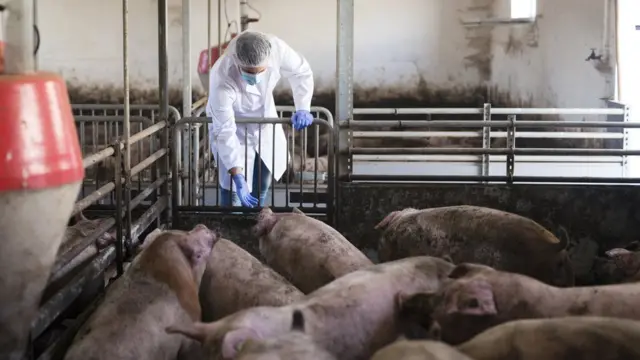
[(398, 43)]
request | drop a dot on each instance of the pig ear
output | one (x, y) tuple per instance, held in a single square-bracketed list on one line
[(297, 211), (563, 238), (196, 331), (477, 300), (234, 340), (382, 225), (266, 220), (466, 269), (199, 244)]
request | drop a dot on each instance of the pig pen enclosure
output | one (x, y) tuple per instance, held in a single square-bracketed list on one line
[(149, 166)]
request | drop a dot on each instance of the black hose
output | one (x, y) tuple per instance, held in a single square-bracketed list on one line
[(36, 32)]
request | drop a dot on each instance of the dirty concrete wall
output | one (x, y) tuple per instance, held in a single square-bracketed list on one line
[(407, 53), (544, 63)]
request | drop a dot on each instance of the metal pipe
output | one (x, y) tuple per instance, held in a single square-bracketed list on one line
[(496, 134), (146, 219), (97, 157), (67, 255), (494, 111), (19, 38), (148, 161), (494, 159), (61, 301), (492, 151), (186, 58), (163, 69), (500, 179), (428, 124), (94, 196)]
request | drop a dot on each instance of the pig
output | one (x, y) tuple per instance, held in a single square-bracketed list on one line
[(306, 251), (235, 280), (583, 337), (475, 234), (621, 265), (159, 289), (479, 297), (419, 350), (295, 345), (352, 317)]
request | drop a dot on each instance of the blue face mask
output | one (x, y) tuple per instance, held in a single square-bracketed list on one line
[(251, 79)]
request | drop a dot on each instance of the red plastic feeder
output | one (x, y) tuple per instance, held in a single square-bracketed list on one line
[(41, 172)]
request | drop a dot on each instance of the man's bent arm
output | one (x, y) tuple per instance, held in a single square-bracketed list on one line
[(295, 68)]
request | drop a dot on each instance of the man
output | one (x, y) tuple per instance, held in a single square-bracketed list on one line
[(241, 84)]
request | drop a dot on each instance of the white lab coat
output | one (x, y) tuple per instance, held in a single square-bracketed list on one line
[(230, 96)]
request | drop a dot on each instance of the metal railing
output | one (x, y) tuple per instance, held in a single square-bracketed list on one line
[(440, 155), (80, 261), (199, 186)]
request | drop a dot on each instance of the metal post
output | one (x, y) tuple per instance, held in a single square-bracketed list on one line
[(186, 58), (486, 139), (344, 97), (19, 38), (163, 93), (511, 145), (126, 127)]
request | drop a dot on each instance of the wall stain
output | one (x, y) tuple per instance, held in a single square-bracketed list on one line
[(425, 95), (479, 39)]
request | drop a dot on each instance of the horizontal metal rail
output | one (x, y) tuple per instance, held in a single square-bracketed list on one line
[(494, 158), (427, 124), (497, 179), (494, 134), (494, 111), (492, 151)]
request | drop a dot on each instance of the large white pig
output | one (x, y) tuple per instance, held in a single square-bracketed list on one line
[(159, 289), (352, 317), (235, 280), (578, 337), (419, 350), (304, 250), (480, 297), (294, 345), (477, 234)]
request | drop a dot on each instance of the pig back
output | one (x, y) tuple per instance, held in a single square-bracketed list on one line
[(499, 239), (235, 280), (584, 337), (419, 350), (309, 253)]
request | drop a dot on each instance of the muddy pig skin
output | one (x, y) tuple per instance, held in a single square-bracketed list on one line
[(584, 338), (352, 317), (480, 297), (620, 265), (475, 234), (419, 350), (306, 251), (159, 289), (235, 280), (295, 345)]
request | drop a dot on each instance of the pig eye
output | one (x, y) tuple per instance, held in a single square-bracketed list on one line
[(472, 304)]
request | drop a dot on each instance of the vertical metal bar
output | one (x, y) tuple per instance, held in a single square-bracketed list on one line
[(316, 147), (344, 96), (303, 156), (163, 87), (175, 170), (259, 162), (196, 167), (186, 58), (511, 145), (19, 42), (273, 166), (119, 233), (126, 126), (486, 138)]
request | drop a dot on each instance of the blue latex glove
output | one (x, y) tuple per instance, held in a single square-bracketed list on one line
[(301, 119), (242, 190)]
